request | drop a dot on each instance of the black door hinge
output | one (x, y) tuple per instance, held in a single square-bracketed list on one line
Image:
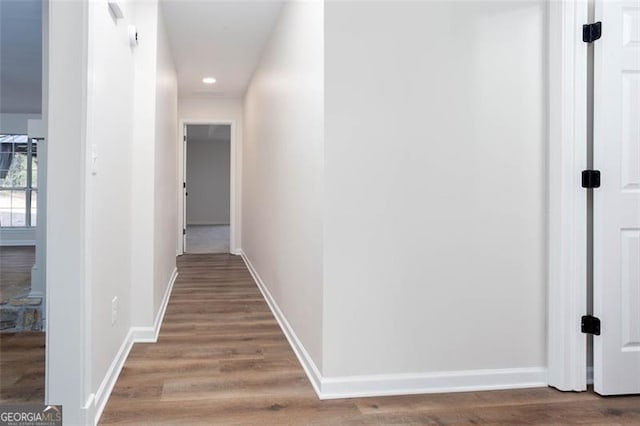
[(184, 231), (591, 32), (590, 325), (591, 179), (184, 184)]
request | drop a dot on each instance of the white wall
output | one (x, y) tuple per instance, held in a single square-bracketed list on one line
[(108, 195), (434, 243), (166, 167), (211, 108), (222, 110), (68, 355), (154, 186), (143, 158), (208, 180), (283, 170)]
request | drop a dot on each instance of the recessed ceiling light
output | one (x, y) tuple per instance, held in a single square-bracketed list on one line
[(208, 80)]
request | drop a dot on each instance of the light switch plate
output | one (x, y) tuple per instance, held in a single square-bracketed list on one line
[(94, 159)]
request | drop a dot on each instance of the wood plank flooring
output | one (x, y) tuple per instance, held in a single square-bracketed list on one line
[(21, 354), (22, 367), (15, 271), (222, 359)]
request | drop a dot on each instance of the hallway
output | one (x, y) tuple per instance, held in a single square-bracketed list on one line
[(203, 239), (222, 359)]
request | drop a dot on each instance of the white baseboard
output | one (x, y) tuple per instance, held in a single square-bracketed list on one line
[(135, 335), (397, 384), (303, 356), (150, 334), (88, 409), (440, 382), (108, 382)]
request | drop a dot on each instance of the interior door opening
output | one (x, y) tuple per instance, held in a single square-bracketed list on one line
[(207, 188)]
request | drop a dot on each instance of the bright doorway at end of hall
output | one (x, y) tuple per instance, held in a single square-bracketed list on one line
[(207, 188)]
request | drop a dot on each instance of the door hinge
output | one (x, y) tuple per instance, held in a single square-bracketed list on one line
[(590, 325), (184, 184), (184, 231), (184, 138), (591, 32), (591, 179)]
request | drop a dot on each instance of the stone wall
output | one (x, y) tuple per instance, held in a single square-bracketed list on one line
[(21, 314)]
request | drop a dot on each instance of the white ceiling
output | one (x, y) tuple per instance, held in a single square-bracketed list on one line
[(219, 38), (21, 56)]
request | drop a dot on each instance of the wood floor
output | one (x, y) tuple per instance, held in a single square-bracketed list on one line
[(15, 271), (222, 359), (21, 354), (22, 367)]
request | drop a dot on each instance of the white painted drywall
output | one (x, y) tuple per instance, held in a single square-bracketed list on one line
[(434, 244), (108, 192), (166, 165), (211, 108), (143, 163), (208, 169), (282, 191), (68, 354), (154, 185)]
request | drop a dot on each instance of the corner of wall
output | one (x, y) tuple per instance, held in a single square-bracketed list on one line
[(306, 361)]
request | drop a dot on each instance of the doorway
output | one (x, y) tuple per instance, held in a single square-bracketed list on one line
[(593, 95), (207, 188)]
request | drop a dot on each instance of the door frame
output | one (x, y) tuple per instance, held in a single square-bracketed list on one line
[(567, 200), (234, 182)]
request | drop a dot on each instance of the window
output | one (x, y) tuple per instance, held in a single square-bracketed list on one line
[(18, 181)]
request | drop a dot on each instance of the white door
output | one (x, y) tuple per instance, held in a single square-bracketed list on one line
[(617, 201)]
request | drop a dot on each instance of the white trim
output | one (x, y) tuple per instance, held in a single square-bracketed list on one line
[(16, 243), (135, 335), (396, 384), (440, 382), (567, 227), (207, 223), (88, 406), (307, 363), (234, 182), (150, 334), (111, 376)]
